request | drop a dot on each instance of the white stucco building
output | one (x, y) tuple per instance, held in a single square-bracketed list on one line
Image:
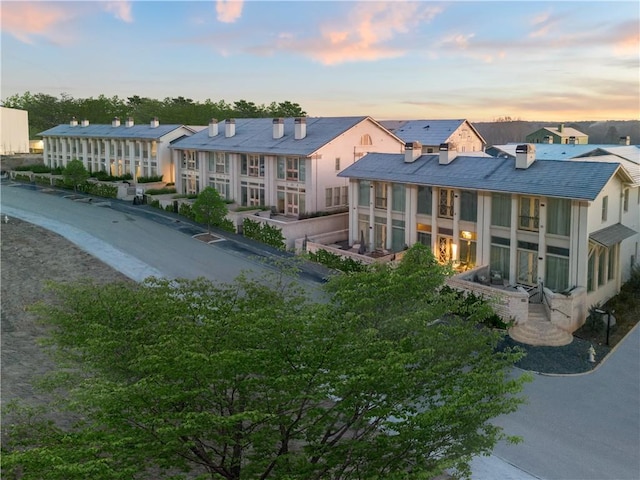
[(14, 131), (117, 149), (289, 164)]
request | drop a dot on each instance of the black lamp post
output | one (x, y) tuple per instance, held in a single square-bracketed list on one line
[(602, 312)]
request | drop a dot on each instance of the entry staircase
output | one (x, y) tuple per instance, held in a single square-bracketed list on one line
[(538, 329)]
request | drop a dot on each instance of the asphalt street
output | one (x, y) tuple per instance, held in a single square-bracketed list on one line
[(584, 427)]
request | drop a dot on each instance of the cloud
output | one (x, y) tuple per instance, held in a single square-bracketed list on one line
[(26, 20), (364, 34), (229, 10), (121, 10)]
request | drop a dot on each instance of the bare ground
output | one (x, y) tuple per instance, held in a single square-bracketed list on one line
[(30, 257)]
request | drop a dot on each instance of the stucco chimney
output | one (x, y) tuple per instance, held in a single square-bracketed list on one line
[(154, 123), (412, 151), (300, 128), (213, 127), (85, 123), (561, 127), (115, 122), (73, 122), (447, 154), (129, 122), (525, 155), (278, 128), (229, 127), (625, 140)]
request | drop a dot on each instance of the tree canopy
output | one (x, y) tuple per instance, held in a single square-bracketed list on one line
[(253, 380), (210, 208), (75, 173), (47, 111)]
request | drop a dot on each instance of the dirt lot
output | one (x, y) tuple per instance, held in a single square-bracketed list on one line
[(30, 257)]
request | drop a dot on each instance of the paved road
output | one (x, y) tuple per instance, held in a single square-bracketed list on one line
[(141, 241), (574, 428)]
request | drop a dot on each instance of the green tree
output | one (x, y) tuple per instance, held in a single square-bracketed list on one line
[(210, 208), (252, 380), (75, 174)]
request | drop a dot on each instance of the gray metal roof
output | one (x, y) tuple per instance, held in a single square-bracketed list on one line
[(427, 132), (627, 155), (576, 180), (612, 234), (255, 135), (144, 131)]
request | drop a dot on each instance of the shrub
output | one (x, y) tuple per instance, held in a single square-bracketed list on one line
[(105, 177), (189, 196), (186, 211), (99, 189), (22, 177), (36, 168), (160, 191), (42, 180), (154, 178), (264, 233), (474, 307), (337, 262)]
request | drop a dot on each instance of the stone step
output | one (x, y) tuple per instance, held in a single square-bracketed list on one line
[(538, 330)]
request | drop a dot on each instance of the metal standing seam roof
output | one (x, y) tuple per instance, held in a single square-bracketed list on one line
[(427, 132), (612, 234), (143, 131), (255, 135), (627, 155), (574, 180)]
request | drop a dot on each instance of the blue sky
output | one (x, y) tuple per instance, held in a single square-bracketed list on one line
[(555, 61)]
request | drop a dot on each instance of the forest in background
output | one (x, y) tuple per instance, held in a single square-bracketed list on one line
[(47, 111)]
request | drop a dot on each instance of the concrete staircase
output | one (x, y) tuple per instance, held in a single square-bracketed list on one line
[(538, 330)]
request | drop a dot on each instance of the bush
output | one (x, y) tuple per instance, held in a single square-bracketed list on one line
[(190, 196), (22, 177), (42, 180), (37, 168), (337, 262), (264, 233), (186, 211), (105, 177), (99, 189), (594, 323), (152, 179), (160, 191), (474, 307)]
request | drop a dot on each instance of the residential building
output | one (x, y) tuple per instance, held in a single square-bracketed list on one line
[(568, 226), (461, 135), (117, 149), (288, 164), (14, 131), (559, 134)]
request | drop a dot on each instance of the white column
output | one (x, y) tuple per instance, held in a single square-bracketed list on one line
[(372, 218), (456, 224), (435, 193), (85, 155), (513, 248), (354, 235), (411, 210), (483, 242), (389, 238), (542, 239), (64, 151)]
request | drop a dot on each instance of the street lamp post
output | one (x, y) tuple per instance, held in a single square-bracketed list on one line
[(608, 313)]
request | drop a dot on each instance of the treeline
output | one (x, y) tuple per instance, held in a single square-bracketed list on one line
[(47, 111), (605, 132)]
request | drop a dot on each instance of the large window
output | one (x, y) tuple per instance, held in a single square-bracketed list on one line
[(218, 162), (381, 194), (398, 197), (222, 186), (252, 165), (336, 196), (424, 200), (380, 232), (251, 194), (364, 193), (559, 216), (397, 235), (445, 203), (529, 213), (291, 169), (467, 249), (501, 209), (468, 206), (527, 263), (557, 276)]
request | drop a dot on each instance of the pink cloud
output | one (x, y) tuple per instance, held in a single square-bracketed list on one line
[(364, 33), (121, 9), (229, 10), (24, 20)]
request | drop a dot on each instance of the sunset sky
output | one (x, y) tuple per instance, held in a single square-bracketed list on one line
[(555, 61)]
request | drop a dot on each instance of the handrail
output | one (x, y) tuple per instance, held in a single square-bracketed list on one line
[(546, 301)]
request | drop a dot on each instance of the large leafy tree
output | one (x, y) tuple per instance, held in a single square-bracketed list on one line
[(210, 208), (75, 174), (252, 380)]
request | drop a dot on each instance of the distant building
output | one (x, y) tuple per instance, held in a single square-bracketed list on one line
[(561, 134), (117, 149), (14, 131), (460, 134)]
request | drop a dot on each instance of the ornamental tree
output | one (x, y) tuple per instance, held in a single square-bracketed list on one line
[(75, 174), (252, 380), (210, 208)]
